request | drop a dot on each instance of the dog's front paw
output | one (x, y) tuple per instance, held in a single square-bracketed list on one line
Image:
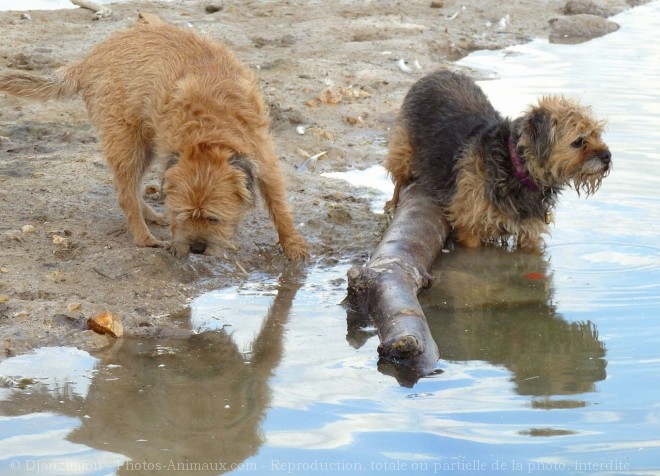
[(152, 242), (179, 250), (296, 249)]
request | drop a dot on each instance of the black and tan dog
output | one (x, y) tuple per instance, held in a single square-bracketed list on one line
[(498, 179)]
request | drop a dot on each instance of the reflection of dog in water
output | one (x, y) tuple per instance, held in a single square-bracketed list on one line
[(497, 178), (158, 90), (192, 405)]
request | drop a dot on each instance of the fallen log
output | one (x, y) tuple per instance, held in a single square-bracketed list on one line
[(386, 288), (100, 11)]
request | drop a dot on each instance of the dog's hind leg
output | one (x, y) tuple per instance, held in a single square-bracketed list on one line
[(398, 162), (149, 213), (128, 154)]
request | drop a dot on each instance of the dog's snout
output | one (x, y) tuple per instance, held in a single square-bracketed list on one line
[(605, 156), (198, 247)]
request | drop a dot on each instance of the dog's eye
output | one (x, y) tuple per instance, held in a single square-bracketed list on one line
[(213, 219), (578, 143)]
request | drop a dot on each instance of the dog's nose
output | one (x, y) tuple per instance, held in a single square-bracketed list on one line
[(606, 157), (198, 247)]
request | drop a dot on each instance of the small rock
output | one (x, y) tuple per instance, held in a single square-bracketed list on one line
[(436, 4), (57, 276), (330, 96), (580, 28), (74, 306), (106, 323), (287, 40), (151, 190), (213, 8), (25, 16), (60, 240), (588, 7), (3, 298), (27, 229), (339, 216)]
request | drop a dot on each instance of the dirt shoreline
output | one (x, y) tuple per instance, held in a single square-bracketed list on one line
[(336, 71)]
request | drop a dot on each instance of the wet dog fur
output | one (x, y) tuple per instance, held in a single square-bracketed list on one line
[(158, 91), (498, 179)]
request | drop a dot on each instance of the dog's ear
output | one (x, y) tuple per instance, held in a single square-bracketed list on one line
[(540, 128), (248, 167), (168, 162)]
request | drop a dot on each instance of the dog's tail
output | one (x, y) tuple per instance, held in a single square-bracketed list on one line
[(59, 85)]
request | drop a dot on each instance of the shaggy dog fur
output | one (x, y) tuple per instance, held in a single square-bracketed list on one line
[(156, 90), (498, 179)]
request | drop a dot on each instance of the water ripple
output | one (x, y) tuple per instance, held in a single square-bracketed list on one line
[(604, 257)]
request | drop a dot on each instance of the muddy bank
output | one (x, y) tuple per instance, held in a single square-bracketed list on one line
[(334, 75)]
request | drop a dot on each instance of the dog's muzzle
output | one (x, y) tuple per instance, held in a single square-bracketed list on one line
[(198, 247), (605, 157), (598, 164)]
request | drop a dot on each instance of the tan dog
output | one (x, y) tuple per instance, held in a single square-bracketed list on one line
[(498, 179), (160, 91)]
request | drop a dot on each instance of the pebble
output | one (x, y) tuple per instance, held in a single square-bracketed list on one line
[(213, 8), (580, 28), (339, 215), (60, 240), (27, 229), (106, 323), (578, 7)]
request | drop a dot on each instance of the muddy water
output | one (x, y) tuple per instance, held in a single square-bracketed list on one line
[(550, 365)]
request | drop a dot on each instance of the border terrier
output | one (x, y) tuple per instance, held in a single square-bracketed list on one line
[(497, 178), (157, 90)]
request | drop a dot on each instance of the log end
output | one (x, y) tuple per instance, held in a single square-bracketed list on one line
[(360, 279), (402, 347), (407, 372)]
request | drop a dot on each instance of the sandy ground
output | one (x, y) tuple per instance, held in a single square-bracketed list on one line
[(336, 71)]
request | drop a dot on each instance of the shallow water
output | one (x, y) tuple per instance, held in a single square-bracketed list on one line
[(25, 5), (374, 183), (549, 365)]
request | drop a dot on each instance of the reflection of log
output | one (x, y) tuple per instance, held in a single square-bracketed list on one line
[(386, 289)]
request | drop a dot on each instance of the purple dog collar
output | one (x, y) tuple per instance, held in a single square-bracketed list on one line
[(521, 173)]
